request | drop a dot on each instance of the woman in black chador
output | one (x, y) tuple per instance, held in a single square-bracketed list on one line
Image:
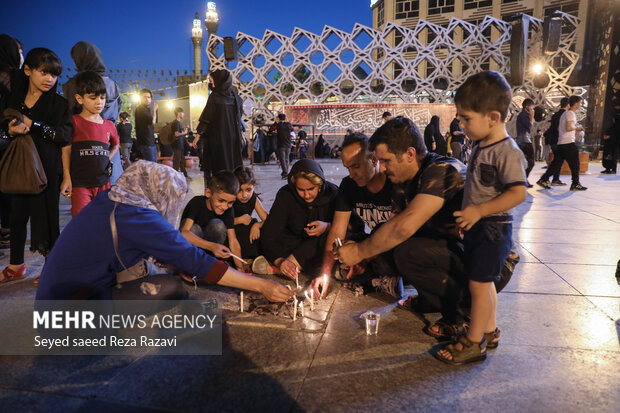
[(611, 147), (433, 138), (219, 126)]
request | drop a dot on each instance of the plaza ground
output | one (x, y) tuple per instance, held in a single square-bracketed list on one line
[(559, 348)]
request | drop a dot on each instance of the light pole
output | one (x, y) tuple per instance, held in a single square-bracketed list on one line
[(212, 21), (197, 41)]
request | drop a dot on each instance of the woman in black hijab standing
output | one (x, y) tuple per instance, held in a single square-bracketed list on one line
[(611, 146), (219, 126), (432, 135)]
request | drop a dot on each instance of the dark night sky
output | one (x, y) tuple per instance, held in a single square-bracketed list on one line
[(156, 34)]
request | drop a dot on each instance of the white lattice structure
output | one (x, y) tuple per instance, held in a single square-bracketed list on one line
[(364, 67)]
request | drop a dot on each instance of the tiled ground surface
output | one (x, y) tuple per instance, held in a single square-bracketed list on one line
[(559, 351)]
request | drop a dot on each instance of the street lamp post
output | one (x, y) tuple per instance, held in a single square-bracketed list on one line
[(197, 41), (212, 21)]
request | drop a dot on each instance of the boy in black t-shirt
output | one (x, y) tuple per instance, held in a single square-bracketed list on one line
[(178, 146), (208, 220)]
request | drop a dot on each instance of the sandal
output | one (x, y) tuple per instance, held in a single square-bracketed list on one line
[(442, 330), (8, 274), (469, 353), (492, 338)]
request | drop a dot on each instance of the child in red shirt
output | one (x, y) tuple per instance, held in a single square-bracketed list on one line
[(94, 143)]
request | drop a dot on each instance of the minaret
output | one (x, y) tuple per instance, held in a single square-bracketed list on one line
[(197, 41), (212, 21)]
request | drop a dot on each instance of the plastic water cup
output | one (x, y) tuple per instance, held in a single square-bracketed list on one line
[(372, 323)]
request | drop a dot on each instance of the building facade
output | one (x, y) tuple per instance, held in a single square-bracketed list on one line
[(407, 13)]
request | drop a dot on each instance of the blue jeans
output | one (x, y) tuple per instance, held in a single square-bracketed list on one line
[(149, 153)]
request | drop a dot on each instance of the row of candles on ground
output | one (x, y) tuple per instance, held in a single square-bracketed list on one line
[(296, 302)]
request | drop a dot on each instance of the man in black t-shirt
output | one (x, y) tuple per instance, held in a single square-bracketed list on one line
[(146, 117), (367, 193), (283, 132), (178, 146), (423, 232), (123, 128)]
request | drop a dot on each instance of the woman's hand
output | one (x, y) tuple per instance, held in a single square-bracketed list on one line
[(221, 251), (255, 232), (18, 128), (316, 228), (275, 291)]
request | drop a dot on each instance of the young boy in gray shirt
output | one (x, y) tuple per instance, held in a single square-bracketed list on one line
[(495, 183)]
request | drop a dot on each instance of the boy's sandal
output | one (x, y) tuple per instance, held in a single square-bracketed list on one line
[(492, 338), (8, 274), (469, 353), (442, 330)]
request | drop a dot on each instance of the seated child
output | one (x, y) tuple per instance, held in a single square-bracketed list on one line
[(208, 220), (94, 143), (247, 228)]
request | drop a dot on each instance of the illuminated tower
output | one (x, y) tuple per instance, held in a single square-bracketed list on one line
[(212, 21), (197, 41)]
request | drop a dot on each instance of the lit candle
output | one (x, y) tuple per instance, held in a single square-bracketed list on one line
[(301, 306), (295, 309), (241, 301)]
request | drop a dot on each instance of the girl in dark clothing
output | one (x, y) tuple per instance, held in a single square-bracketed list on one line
[(10, 60), (294, 234), (247, 228), (219, 126), (611, 147), (433, 138), (46, 117)]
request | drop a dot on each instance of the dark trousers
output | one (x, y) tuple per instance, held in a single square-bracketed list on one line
[(436, 269), (283, 157), (178, 161), (569, 153), (528, 151), (248, 250), (5, 210)]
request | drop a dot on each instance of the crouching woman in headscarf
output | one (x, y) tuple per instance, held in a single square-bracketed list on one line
[(293, 237), (143, 207)]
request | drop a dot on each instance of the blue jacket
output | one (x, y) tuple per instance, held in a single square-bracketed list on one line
[(83, 255)]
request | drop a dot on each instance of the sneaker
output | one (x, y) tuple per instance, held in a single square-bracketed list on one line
[(577, 187), (544, 184), (389, 285), (262, 266), (557, 183)]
